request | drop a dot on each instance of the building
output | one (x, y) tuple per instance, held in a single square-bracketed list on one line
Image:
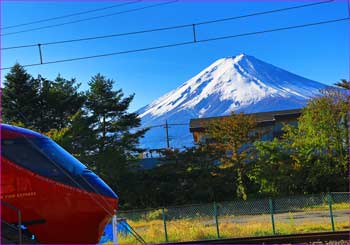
[(270, 122)]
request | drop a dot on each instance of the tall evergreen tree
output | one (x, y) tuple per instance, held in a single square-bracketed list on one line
[(20, 97), (39, 103), (59, 101), (116, 139)]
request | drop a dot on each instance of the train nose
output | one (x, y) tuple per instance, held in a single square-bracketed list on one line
[(97, 185)]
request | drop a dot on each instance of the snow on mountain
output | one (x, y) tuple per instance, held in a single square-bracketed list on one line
[(240, 83)]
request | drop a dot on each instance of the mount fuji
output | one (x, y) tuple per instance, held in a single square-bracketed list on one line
[(235, 84)]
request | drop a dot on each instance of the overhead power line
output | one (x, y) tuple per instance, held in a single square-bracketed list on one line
[(163, 125), (68, 15), (188, 42), (98, 37), (166, 126), (167, 28), (91, 18)]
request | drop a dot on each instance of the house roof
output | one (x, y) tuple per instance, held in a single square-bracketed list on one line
[(198, 124)]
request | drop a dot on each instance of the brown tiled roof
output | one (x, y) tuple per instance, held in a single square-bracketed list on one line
[(261, 117)]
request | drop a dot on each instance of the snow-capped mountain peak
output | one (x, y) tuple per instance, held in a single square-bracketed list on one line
[(231, 84), (239, 83)]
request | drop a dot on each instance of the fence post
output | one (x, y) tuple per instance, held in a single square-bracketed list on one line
[(114, 227), (331, 210), (20, 239), (216, 220), (272, 215), (165, 228)]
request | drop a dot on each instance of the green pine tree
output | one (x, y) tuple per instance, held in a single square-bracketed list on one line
[(20, 98), (39, 103), (115, 135), (59, 101)]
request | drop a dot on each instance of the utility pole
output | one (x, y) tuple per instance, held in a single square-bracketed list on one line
[(348, 97), (167, 134)]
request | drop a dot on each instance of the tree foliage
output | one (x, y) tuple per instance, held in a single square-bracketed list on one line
[(59, 101), (309, 158), (233, 136), (20, 97), (39, 103), (112, 128), (320, 141), (273, 169)]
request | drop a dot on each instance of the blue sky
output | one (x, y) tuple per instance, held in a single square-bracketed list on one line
[(319, 53)]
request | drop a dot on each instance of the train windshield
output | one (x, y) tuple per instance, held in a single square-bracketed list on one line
[(41, 155)]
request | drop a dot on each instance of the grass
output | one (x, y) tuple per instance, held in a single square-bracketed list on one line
[(190, 230), (335, 206), (201, 228)]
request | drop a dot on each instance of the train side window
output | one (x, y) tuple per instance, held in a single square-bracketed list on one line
[(25, 154)]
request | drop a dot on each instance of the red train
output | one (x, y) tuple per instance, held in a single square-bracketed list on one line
[(61, 201)]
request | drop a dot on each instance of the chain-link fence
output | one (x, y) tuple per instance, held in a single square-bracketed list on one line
[(270, 216)]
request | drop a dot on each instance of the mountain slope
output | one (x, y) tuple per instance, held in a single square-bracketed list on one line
[(240, 83)]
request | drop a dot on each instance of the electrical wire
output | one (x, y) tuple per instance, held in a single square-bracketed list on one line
[(68, 15), (169, 27), (100, 37), (91, 18), (186, 43), (162, 126)]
